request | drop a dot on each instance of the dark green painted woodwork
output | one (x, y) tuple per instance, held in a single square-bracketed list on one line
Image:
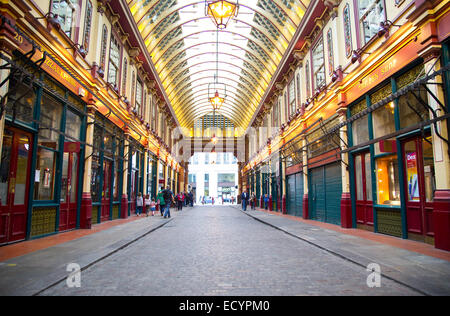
[(325, 191)]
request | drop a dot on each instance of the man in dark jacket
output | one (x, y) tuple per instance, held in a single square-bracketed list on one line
[(168, 198), (245, 198)]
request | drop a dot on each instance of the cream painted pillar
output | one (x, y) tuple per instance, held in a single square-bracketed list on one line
[(86, 199), (441, 199), (144, 189), (346, 201), (124, 204), (305, 179), (157, 175)]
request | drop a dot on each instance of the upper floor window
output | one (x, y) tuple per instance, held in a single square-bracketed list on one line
[(65, 9), (308, 79), (298, 88), (114, 62), (133, 87), (371, 13), (330, 52), (291, 91), (103, 47), (139, 97), (87, 26), (318, 64), (275, 114), (124, 82), (347, 31)]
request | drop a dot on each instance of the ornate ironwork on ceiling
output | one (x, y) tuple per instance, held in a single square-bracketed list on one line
[(182, 43)]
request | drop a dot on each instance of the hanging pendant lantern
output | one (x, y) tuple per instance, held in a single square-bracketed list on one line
[(221, 12)]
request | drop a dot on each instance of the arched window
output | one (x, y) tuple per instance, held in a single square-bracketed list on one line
[(87, 26), (330, 52), (133, 87), (347, 31), (308, 83), (124, 81), (103, 47)]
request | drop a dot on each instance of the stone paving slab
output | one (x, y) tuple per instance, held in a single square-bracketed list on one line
[(31, 273), (425, 273)]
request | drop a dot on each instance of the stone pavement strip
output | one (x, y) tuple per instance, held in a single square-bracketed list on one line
[(31, 273), (427, 274)]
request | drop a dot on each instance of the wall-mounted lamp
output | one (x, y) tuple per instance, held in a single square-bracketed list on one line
[(356, 55), (384, 27)]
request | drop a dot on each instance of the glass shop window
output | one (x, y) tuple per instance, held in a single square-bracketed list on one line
[(45, 174), (73, 126), (428, 166), (360, 127), (19, 106), (65, 9), (371, 13), (411, 106), (388, 184), (383, 117), (49, 122)]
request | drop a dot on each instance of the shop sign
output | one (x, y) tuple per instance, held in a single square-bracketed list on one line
[(390, 66), (72, 147), (52, 68)]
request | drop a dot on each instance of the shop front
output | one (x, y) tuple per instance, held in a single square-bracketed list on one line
[(135, 175), (151, 175), (41, 164), (324, 174), (106, 178), (393, 178)]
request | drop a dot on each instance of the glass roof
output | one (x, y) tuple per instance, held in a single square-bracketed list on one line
[(188, 51)]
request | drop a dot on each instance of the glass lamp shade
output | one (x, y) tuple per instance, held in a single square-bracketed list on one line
[(216, 101), (221, 12)]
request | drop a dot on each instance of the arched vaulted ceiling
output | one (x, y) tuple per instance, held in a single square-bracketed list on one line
[(183, 44)]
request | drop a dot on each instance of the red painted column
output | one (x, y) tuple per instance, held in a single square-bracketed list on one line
[(261, 202), (305, 207), (124, 206), (86, 211), (441, 219), (346, 210), (270, 203), (283, 205)]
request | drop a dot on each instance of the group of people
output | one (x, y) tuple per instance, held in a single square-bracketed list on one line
[(251, 199), (164, 200)]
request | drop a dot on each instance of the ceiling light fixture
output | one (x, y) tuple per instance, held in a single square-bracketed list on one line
[(221, 12)]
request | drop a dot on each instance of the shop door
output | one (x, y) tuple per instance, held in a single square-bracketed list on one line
[(299, 194), (291, 195), (69, 185), (363, 186), (325, 193), (106, 193), (14, 184), (419, 185)]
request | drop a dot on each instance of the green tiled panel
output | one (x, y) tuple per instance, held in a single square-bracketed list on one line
[(389, 222), (43, 221)]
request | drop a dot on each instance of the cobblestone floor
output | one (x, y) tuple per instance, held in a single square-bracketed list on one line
[(221, 251)]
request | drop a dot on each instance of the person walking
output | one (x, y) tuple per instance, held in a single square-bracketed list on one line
[(161, 202), (168, 199), (266, 201), (253, 201), (191, 198), (147, 203), (139, 204), (153, 206), (245, 199), (180, 201)]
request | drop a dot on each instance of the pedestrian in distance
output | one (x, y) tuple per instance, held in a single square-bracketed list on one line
[(168, 200), (139, 204), (245, 198), (253, 201), (266, 201), (180, 201), (147, 203), (161, 202), (153, 206)]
